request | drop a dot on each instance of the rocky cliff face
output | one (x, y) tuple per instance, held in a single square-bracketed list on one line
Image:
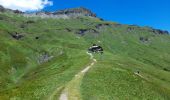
[(67, 13), (75, 11), (158, 31)]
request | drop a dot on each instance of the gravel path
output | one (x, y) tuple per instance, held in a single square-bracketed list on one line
[(64, 95)]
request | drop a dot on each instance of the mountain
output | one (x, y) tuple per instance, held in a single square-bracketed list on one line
[(43, 55), (79, 11), (67, 13)]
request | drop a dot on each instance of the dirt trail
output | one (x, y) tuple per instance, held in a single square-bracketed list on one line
[(141, 76), (71, 91), (63, 96)]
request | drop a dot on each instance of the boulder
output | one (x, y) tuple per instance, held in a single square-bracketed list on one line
[(16, 35)]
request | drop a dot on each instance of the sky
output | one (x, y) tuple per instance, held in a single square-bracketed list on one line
[(153, 13)]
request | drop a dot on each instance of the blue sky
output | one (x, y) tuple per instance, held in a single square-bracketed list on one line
[(154, 13)]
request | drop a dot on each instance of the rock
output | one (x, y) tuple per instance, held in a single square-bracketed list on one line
[(45, 57), (143, 39), (130, 28), (18, 12), (158, 31), (99, 26), (16, 35), (83, 31), (64, 14), (75, 12)]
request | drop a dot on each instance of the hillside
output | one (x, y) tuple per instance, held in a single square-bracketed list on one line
[(43, 54)]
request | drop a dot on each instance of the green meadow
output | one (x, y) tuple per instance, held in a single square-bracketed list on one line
[(25, 75)]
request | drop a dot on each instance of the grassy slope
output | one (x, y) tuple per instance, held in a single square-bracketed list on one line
[(23, 55), (112, 77)]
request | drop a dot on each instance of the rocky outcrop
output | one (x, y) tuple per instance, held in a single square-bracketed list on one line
[(44, 57), (144, 39), (130, 28), (46, 15), (65, 14), (75, 12), (99, 26), (149, 29), (16, 35), (84, 31), (158, 31)]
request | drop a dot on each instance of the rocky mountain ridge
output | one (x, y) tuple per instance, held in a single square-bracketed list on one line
[(72, 13), (66, 13)]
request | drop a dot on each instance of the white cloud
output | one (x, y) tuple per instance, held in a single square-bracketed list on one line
[(25, 5)]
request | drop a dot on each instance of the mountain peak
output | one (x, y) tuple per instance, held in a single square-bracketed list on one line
[(71, 12), (75, 11), (65, 13)]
